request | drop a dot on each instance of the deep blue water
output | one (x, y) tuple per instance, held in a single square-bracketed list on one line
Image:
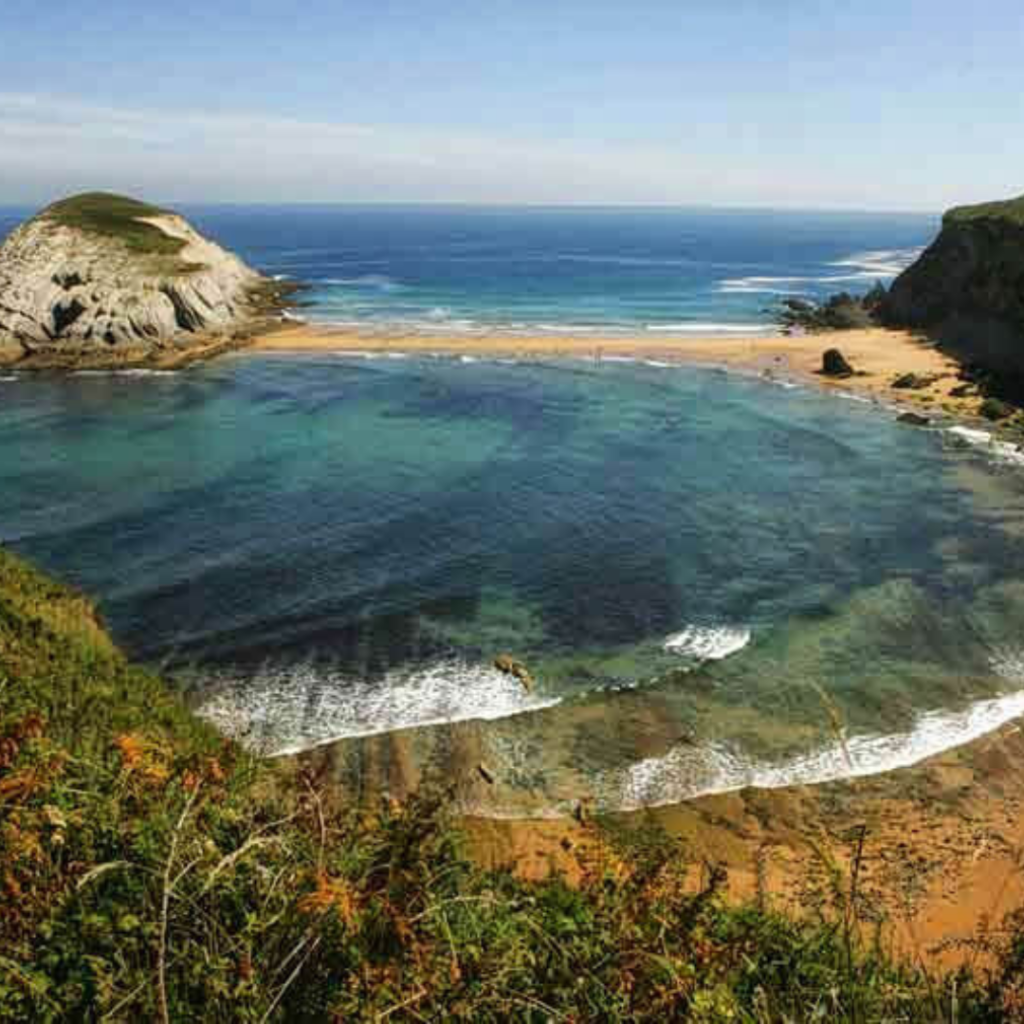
[(557, 269)]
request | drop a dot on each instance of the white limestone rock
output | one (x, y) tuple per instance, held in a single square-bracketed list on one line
[(103, 276)]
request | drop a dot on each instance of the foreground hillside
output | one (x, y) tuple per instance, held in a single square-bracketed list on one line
[(151, 870)]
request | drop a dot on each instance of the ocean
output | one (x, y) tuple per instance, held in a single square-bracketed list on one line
[(699, 568), (578, 270)]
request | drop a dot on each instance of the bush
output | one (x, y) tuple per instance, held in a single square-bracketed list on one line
[(995, 409)]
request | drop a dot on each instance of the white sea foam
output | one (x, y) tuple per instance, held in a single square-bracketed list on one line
[(708, 643), (970, 435), (8, 378), (658, 364), (688, 771), (711, 328), (131, 371), (999, 451), (283, 710), (565, 328), (380, 282), (758, 285), (880, 263), (863, 267), (356, 353)]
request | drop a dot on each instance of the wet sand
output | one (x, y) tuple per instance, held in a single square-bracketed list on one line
[(941, 861)]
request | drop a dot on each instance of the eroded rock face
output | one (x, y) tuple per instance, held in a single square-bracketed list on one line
[(967, 288), (65, 290)]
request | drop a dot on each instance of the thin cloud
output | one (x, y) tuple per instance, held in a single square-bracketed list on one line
[(52, 144)]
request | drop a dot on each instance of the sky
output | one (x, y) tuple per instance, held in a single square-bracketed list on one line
[(895, 105)]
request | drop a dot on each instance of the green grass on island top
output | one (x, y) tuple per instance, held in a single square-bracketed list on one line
[(113, 216), (1010, 210)]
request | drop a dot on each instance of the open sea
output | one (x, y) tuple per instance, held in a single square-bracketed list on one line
[(699, 569)]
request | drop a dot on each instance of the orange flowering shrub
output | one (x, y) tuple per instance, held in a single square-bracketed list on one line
[(335, 894), (144, 759)]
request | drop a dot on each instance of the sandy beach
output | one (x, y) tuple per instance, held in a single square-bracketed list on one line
[(878, 355), (941, 845)]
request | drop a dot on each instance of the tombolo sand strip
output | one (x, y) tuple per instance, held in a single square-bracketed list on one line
[(877, 354)]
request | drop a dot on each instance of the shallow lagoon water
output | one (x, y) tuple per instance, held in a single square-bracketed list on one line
[(697, 568)]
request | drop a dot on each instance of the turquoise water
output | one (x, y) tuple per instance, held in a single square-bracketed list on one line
[(694, 566)]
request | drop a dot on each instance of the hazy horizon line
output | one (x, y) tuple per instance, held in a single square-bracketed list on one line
[(510, 205)]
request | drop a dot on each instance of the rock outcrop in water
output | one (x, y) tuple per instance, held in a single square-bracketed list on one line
[(100, 278), (967, 288)]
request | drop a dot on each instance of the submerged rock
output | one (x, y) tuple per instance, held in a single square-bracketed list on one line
[(512, 667), (915, 419), (105, 277), (913, 381), (834, 364)]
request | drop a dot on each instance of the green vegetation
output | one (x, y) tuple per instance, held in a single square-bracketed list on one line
[(113, 216), (996, 409), (1009, 210), (152, 871)]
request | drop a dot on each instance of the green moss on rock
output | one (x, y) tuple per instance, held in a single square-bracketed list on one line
[(114, 216), (1008, 210)]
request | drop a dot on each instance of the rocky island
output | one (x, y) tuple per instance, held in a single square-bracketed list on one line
[(100, 279)]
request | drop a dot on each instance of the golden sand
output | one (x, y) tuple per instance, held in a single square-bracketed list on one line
[(878, 355)]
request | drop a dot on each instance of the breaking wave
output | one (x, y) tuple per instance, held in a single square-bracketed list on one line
[(862, 268), (708, 643), (712, 328), (288, 708), (136, 371), (379, 282), (690, 771), (983, 441)]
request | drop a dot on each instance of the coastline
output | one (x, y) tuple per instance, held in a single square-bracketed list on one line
[(878, 355), (942, 840)]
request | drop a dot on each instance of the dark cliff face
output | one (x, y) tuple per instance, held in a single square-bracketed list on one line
[(967, 289)]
